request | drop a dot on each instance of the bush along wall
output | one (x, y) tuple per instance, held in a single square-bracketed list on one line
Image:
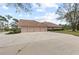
[(56, 29), (15, 31)]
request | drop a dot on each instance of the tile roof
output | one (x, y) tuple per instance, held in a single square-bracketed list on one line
[(33, 23), (24, 23), (49, 24)]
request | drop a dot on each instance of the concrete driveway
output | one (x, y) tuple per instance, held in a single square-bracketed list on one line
[(39, 43)]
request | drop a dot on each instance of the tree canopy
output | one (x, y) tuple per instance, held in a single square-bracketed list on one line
[(70, 13), (25, 7)]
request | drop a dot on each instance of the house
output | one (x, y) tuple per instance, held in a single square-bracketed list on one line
[(34, 26), (51, 26), (31, 26)]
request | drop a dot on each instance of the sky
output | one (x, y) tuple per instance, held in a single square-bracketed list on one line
[(47, 12)]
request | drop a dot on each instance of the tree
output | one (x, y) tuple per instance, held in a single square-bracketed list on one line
[(69, 12), (14, 24), (8, 17), (24, 7), (16, 20), (78, 26), (3, 20), (11, 21), (20, 7)]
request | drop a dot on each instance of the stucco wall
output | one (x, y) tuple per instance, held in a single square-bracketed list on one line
[(33, 29)]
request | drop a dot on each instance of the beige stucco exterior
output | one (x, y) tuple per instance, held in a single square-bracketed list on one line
[(31, 26), (33, 29), (34, 26)]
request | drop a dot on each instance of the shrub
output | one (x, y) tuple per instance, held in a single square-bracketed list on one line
[(6, 29), (14, 31), (56, 29)]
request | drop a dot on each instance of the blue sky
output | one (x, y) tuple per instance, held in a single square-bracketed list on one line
[(47, 12)]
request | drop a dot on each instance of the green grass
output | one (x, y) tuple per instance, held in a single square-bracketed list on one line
[(69, 32)]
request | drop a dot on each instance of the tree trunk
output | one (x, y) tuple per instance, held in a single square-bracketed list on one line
[(73, 27), (75, 19), (77, 27)]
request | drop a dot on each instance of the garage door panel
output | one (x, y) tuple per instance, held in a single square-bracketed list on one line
[(33, 29)]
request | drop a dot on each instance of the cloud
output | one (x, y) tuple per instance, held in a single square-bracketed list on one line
[(43, 6), (49, 17), (4, 7), (36, 18), (28, 15), (40, 10), (37, 8), (20, 15)]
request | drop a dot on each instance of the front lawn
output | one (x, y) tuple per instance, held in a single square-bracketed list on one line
[(69, 32)]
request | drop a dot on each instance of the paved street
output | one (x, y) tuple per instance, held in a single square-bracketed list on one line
[(39, 43)]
